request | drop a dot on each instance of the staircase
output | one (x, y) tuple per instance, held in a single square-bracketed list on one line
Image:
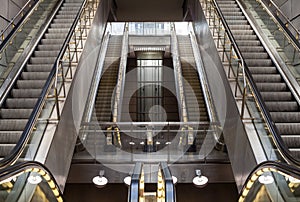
[(277, 96), (195, 103), (16, 110)]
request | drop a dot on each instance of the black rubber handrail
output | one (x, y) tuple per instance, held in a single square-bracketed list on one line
[(273, 129), (18, 168), (17, 25), (170, 193), (133, 195), (290, 170), (18, 149)]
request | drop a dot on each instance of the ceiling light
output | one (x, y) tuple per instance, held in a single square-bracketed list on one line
[(168, 143), (131, 143), (200, 180), (127, 180), (100, 180), (142, 143), (266, 179), (174, 179), (34, 179), (294, 180)]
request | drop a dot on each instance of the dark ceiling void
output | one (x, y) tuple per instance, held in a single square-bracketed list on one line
[(145, 10)]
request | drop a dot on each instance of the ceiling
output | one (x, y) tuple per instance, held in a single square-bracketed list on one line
[(154, 10)]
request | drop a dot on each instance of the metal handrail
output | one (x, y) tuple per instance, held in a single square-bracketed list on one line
[(267, 166), (273, 129), (178, 74), (20, 13), (121, 77), (32, 166), (18, 149)]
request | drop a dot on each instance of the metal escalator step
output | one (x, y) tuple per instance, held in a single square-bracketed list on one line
[(271, 86), (245, 37), (288, 128), (20, 103), (242, 32), (55, 35), (263, 70), (69, 21), (254, 55), (251, 48), (238, 17), (35, 75), (5, 149), (42, 60), (277, 96), (291, 141), (237, 22), (58, 30), (292, 117), (48, 47), (282, 106), (12, 124), (60, 26), (240, 27), (26, 93), (47, 53), (10, 137), (39, 67), (52, 41), (15, 113), (269, 78), (25, 84), (259, 62), (248, 43)]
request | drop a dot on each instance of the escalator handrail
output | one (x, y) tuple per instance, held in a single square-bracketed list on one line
[(284, 25), (18, 168), (291, 170), (18, 24), (273, 129), (170, 193), (18, 149), (133, 195)]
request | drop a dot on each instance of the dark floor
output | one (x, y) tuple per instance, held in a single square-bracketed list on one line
[(118, 192)]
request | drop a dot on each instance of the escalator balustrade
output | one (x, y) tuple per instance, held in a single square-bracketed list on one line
[(195, 103), (278, 98), (105, 96), (16, 109)]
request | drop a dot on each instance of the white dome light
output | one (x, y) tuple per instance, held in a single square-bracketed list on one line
[(34, 179), (100, 181), (127, 180), (200, 180), (266, 179)]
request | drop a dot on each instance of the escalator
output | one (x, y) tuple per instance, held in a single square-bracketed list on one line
[(277, 96), (105, 93), (17, 107), (195, 102), (104, 99)]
